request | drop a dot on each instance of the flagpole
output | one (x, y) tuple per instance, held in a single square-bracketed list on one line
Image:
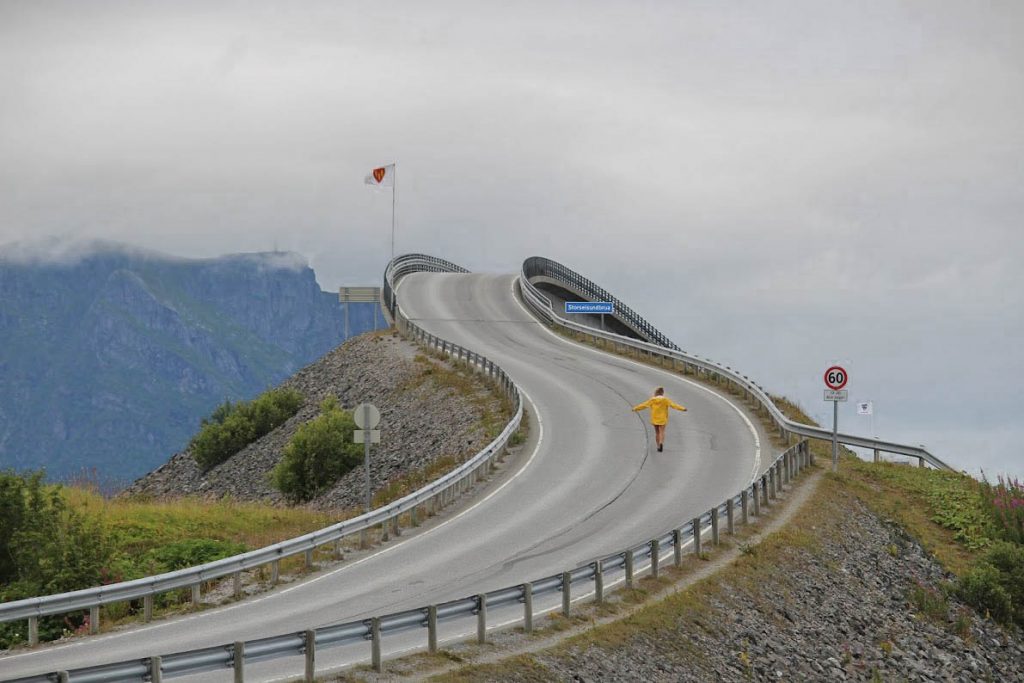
[(394, 191)]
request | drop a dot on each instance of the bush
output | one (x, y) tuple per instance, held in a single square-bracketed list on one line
[(319, 454), (996, 585), (233, 426), (192, 551), (45, 548)]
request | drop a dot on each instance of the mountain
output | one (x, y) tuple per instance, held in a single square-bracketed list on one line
[(109, 357)]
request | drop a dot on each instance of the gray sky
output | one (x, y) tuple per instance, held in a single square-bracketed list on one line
[(775, 185)]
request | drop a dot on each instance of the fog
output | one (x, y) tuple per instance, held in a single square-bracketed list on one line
[(774, 186)]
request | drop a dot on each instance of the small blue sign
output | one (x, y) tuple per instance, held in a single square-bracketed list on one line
[(589, 307)]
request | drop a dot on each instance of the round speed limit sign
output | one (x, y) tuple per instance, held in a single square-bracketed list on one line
[(835, 378)]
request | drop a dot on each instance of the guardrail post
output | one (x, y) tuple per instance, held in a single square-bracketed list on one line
[(758, 494), (696, 536), (744, 507), (598, 582), (713, 513), (414, 518), (238, 661), (432, 629), (808, 451), (147, 608), (156, 666), (785, 468), (236, 584), (339, 553), (730, 517), (629, 568), (364, 539), (196, 594), (769, 490), (384, 535), (63, 677), (528, 607), (375, 659), (677, 546), (566, 593), (310, 656), (397, 528), (655, 552), (878, 456), (94, 618), (920, 462), (481, 619), (780, 475), (309, 559), (275, 572), (33, 631)]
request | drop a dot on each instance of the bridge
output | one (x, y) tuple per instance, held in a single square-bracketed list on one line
[(586, 505)]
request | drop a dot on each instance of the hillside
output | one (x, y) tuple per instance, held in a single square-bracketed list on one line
[(429, 411), (109, 358)]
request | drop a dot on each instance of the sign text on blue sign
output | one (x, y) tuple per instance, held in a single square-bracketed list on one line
[(589, 307)]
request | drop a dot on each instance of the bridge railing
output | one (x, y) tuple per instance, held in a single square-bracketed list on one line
[(538, 266), (660, 350), (627, 565), (428, 499)]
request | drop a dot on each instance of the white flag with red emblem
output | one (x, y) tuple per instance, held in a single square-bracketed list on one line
[(382, 177)]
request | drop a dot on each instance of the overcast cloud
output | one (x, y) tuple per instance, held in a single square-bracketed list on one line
[(776, 185)]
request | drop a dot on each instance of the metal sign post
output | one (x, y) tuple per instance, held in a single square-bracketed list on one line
[(835, 379), (367, 417)]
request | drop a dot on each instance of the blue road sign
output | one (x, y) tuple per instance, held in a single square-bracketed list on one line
[(589, 307)]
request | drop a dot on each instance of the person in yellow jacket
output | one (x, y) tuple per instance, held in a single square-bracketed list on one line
[(659, 405)]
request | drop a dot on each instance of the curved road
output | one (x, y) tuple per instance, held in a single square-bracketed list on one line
[(588, 484)]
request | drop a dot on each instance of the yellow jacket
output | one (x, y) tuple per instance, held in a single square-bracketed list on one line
[(659, 406)]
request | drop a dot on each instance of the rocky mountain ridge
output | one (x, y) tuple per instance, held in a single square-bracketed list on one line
[(109, 357)]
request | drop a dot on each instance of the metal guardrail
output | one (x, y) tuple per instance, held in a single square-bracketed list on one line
[(746, 504), (677, 359), (434, 495), (540, 267)]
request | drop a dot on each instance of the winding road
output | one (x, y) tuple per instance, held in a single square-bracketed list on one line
[(588, 483)]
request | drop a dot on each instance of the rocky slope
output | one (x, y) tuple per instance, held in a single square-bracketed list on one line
[(839, 594), (109, 355), (424, 416)]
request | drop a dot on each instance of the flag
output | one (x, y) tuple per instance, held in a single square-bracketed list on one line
[(865, 408), (382, 177)]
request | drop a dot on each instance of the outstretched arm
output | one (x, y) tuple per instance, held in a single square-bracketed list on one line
[(645, 404), (673, 404)]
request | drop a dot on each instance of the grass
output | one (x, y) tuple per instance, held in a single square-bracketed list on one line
[(139, 525)]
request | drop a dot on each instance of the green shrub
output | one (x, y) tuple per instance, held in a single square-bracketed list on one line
[(996, 585), (45, 547), (319, 454), (233, 426)]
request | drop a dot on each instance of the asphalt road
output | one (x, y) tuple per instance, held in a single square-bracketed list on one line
[(589, 483)]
